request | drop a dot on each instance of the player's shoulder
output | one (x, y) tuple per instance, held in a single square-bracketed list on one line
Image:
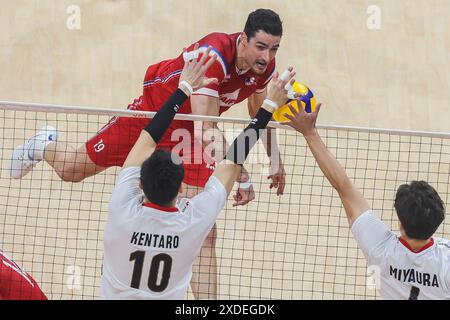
[(184, 205), (223, 44), (223, 40), (443, 245)]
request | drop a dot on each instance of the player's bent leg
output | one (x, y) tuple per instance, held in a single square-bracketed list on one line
[(26, 156), (71, 165)]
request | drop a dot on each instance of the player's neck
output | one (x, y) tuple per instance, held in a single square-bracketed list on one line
[(416, 244), (169, 206)]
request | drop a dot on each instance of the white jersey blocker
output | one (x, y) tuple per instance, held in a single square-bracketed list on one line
[(135, 232), (399, 268)]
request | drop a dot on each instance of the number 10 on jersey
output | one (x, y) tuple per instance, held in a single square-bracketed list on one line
[(160, 261)]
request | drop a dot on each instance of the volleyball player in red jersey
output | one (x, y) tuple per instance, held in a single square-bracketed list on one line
[(244, 66)]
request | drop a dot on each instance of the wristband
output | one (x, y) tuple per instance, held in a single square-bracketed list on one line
[(245, 185), (187, 85), (271, 104)]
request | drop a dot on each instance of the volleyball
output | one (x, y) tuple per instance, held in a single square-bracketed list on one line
[(307, 100)]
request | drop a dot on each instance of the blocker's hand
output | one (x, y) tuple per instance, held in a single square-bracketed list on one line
[(302, 121), (278, 177), (194, 70), (243, 195)]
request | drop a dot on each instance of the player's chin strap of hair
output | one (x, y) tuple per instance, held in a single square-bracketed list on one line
[(161, 121)]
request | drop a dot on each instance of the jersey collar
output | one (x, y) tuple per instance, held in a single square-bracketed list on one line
[(429, 244), (160, 208)]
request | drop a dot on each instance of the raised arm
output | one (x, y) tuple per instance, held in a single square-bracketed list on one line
[(208, 106), (192, 78), (352, 199), (229, 169), (276, 172)]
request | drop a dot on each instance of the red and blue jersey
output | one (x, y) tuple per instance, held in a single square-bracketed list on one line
[(233, 86)]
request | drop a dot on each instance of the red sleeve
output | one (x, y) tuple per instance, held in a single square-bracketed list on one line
[(222, 48)]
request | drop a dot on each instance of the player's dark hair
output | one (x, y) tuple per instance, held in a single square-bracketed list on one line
[(263, 20), (161, 178), (419, 209)]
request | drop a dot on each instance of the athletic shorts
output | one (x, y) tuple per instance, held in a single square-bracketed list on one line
[(111, 145)]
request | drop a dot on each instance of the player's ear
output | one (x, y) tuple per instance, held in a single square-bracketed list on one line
[(141, 185), (181, 189), (244, 38)]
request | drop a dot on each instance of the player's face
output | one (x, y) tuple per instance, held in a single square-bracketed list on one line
[(261, 50)]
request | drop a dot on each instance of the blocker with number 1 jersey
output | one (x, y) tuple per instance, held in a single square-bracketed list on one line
[(400, 272)]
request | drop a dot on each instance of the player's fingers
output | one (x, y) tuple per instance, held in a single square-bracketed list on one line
[(275, 183), (287, 76), (243, 202), (239, 202), (196, 46), (186, 62), (204, 57), (190, 58), (294, 111), (318, 106), (208, 64), (291, 77), (290, 117), (282, 185), (208, 81), (210, 61), (275, 76)]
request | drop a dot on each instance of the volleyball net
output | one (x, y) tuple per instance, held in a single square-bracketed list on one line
[(297, 246)]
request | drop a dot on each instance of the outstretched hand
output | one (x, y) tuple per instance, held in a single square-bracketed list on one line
[(194, 71), (277, 91), (302, 121)]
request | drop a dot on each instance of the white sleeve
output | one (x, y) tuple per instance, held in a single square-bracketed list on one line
[(127, 191), (370, 232), (211, 201)]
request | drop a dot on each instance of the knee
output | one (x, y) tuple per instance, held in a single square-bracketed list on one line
[(71, 174)]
